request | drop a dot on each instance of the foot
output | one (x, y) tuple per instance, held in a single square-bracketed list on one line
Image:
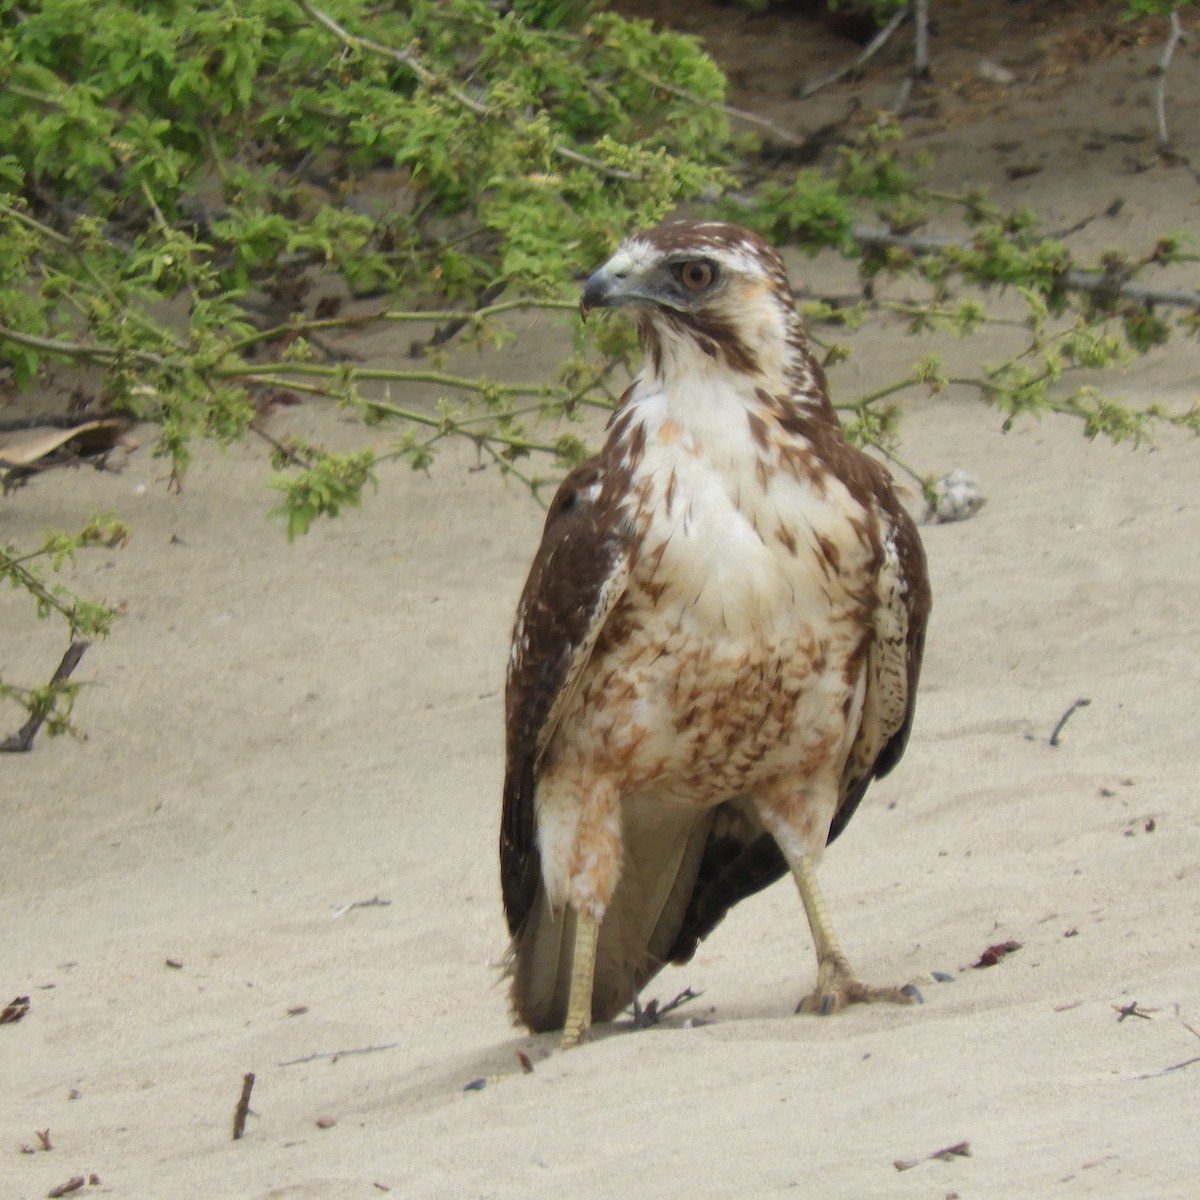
[(574, 1036), (837, 986)]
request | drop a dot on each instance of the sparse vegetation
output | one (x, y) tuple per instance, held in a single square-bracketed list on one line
[(192, 198)]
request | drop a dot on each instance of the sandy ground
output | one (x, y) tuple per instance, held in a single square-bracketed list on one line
[(276, 732)]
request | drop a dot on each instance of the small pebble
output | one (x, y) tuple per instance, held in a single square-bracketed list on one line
[(993, 72)]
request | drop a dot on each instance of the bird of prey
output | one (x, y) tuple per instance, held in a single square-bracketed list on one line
[(716, 650)]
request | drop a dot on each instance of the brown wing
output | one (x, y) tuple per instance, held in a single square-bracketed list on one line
[(578, 575), (740, 857), (894, 654)]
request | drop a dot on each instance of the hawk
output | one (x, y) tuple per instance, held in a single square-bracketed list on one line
[(716, 650)]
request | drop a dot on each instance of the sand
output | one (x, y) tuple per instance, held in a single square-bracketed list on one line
[(275, 732)]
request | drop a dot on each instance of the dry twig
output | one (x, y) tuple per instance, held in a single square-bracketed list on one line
[(375, 902), (334, 1055), (243, 1106), (65, 1189), (1082, 702), (643, 1018), (1132, 1010), (869, 51), (947, 1154)]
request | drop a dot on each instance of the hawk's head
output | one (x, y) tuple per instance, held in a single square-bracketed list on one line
[(706, 294)]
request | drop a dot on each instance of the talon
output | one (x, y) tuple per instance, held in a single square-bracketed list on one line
[(913, 992), (574, 1037), (827, 1005)]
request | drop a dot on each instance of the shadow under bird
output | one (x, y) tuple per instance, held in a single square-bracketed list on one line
[(716, 650)]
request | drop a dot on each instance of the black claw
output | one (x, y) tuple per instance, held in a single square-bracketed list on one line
[(911, 989), (942, 977), (827, 1003)]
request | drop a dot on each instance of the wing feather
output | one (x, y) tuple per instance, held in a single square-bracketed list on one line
[(894, 654), (578, 576)]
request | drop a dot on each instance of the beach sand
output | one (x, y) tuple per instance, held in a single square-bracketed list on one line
[(275, 732)]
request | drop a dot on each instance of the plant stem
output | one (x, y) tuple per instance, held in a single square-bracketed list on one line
[(432, 316), (1161, 68), (1074, 280)]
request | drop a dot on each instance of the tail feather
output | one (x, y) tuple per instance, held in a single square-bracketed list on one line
[(663, 850)]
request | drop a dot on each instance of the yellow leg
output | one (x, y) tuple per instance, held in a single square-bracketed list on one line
[(837, 985), (578, 1025)]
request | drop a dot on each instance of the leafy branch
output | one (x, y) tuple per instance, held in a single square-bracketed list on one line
[(51, 703), (194, 198)]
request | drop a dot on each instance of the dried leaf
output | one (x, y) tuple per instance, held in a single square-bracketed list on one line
[(14, 1010), (91, 437), (993, 954)]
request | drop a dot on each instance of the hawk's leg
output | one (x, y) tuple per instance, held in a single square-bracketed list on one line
[(837, 984), (578, 1025)]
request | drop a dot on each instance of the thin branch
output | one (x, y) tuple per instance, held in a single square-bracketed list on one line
[(734, 113), (1073, 280), (96, 354), (920, 63), (165, 231), (1161, 69), (869, 51), (278, 374), (534, 485), (917, 478), (405, 59), (435, 82), (31, 223), (1082, 702), (10, 565), (1187, 1062), (445, 333), (356, 321), (22, 741), (334, 1055)]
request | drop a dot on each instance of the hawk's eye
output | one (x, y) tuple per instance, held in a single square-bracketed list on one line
[(697, 274)]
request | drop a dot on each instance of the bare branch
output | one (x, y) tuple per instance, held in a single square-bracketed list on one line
[(921, 39), (334, 1055), (1161, 69), (869, 51)]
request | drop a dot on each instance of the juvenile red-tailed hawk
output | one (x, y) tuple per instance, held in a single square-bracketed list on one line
[(717, 647)]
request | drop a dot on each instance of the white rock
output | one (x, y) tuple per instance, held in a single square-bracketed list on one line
[(958, 497)]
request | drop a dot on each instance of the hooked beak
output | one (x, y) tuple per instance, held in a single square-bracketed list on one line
[(608, 288)]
